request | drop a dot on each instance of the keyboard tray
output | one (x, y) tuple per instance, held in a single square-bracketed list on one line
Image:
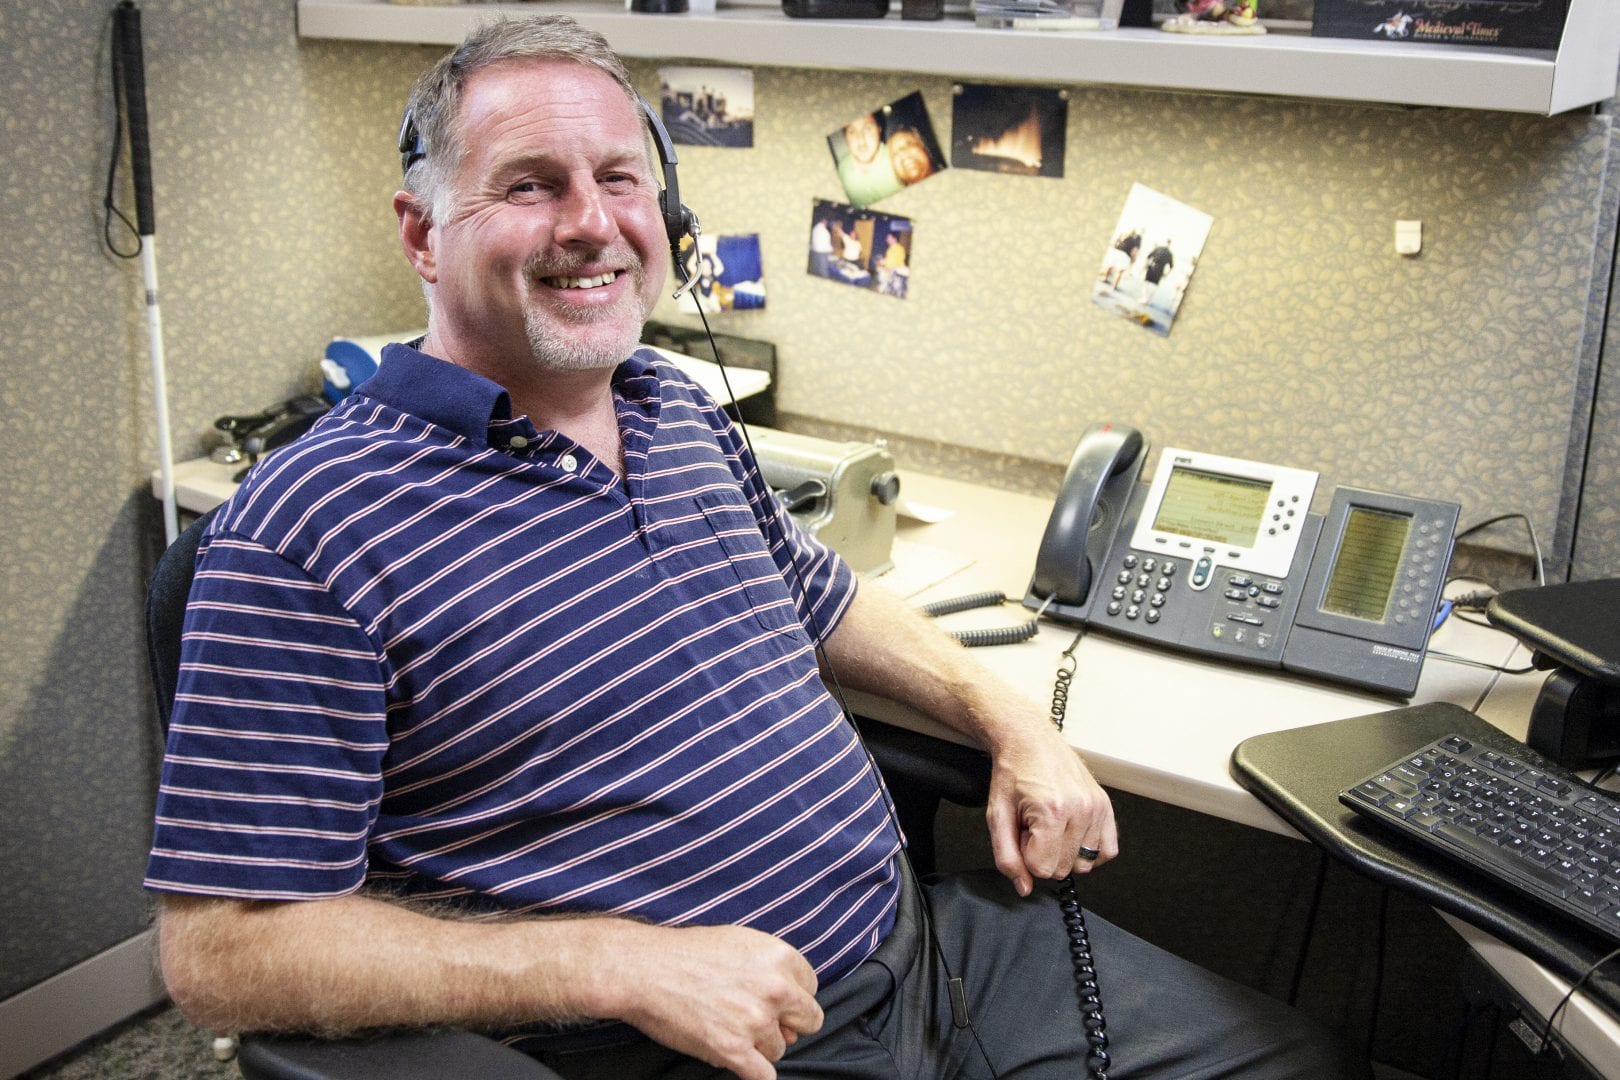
[(1543, 833), (1299, 773)]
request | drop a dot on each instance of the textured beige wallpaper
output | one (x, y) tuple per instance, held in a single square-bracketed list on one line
[(1303, 338)]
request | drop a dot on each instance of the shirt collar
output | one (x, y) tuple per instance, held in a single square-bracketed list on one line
[(437, 391), (463, 401)]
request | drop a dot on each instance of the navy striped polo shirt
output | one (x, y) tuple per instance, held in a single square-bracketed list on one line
[(433, 649)]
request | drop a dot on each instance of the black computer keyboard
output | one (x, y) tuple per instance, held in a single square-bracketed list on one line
[(1537, 829)]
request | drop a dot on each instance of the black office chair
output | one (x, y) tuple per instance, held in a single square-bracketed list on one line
[(919, 770)]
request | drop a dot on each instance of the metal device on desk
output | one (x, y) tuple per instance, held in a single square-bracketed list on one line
[(254, 436), (843, 493)]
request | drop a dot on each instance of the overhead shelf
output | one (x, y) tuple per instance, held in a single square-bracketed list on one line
[(1581, 72)]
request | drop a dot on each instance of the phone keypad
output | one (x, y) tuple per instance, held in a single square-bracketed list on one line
[(1141, 587)]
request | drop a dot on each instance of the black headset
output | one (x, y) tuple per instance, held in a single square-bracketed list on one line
[(679, 221)]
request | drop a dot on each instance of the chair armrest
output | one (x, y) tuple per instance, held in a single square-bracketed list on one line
[(416, 1055), (925, 766)]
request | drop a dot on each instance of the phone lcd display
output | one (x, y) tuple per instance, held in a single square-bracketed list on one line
[(1363, 577), (1213, 506)]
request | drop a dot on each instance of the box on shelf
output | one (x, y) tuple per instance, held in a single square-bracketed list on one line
[(1520, 24)]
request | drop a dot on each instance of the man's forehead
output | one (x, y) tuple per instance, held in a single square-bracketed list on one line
[(566, 86), (520, 102)]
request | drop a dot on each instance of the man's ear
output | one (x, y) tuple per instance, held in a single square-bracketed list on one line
[(416, 235)]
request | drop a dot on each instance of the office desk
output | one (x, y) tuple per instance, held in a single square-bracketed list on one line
[(200, 484), (1150, 722), (1162, 725)]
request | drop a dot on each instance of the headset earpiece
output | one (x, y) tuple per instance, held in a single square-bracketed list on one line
[(679, 221), (411, 147)]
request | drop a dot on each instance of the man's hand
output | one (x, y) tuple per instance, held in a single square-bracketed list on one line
[(730, 996), (1044, 807)]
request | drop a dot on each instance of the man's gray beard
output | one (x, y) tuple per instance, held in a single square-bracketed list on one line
[(554, 352), (559, 352)]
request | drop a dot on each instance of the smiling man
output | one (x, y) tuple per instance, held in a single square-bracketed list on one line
[(548, 228), (501, 704)]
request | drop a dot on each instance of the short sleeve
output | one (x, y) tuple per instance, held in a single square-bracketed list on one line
[(272, 774)]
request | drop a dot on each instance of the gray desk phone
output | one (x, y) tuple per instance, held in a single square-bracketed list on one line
[(1224, 558)]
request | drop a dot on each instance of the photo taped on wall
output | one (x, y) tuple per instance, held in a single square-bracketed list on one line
[(882, 152), (727, 272), (1009, 129), (1150, 258), (708, 106), (864, 248)]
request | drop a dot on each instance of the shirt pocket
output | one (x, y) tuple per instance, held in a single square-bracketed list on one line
[(737, 532)]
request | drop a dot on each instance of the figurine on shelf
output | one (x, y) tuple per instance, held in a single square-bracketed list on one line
[(1216, 17)]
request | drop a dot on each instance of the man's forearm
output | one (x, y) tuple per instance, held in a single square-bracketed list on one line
[(1044, 806), (341, 965), (884, 647), (731, 996)]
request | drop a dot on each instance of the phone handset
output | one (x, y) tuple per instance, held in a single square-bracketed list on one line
[(1096, 489)]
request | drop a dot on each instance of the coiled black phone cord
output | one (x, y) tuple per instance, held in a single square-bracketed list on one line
[(1001, 635), (1060, 686), (1074, 919), (1085, 980)]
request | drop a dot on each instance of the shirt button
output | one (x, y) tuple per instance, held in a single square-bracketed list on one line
[(569, 463), (517, 442)]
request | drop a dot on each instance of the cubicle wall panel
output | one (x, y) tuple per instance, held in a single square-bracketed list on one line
[(78, 748), (1597, 532), (1303, 338), (1584, 433), (76, 751)]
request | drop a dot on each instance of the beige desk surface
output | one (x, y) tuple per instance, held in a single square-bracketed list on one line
[(200, 484), (1147, 721)]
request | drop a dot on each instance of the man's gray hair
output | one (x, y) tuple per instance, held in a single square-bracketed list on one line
[(435, 101)]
